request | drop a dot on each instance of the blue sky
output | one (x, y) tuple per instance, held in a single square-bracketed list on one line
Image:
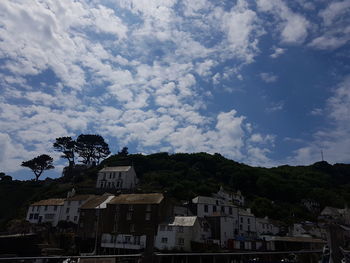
[(263, 82)]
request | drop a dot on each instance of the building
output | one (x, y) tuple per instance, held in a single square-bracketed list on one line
[(91, 223), (45, 211), (131, 220), (233, 197), (71, 207), (121, 178), (247, 223), (208, 206), (265, 226), (180, 232), (223, 229)]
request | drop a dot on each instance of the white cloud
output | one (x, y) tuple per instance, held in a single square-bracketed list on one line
[(335, 30), (136, 81), (334, 140), (277, 51), (268, 77), (293, 27)]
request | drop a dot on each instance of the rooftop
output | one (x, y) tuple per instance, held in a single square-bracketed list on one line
[(51, 201), (79, 197), (154, 198), (183, 221), (98, 202), (116, 169), (209, 200)]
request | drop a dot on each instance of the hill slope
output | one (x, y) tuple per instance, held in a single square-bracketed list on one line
[(276, 192)]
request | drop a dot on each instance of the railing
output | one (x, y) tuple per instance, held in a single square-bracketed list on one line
[(307, 256)]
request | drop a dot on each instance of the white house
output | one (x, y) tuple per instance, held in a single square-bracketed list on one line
[(180, 232), (247, 223), (264, 226), (208, 206), (71, 207), (117, 177), (234, 197), (223, 229), (123, 241), (45, 211)]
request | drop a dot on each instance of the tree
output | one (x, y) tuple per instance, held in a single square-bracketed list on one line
[(66, 145), (124, 152), (39, 164), (92, 148)]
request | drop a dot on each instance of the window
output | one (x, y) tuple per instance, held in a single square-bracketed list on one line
[(206, 208), (45, 208), (248, 220), (240, 227), (137, 240), (132, 228), (169, 228), (120, 174), (148, 216), (131, 208), (230, 210), (180, 229), (37, 208), (223, 209), (31, 216), (164, 240), (241, 219), (127, 239), (67, 210), (55, 207), (181, 241), (69, 202), (36, 216), (75, 218), (148, 208), (67, 218), (128, 216), (248, 228), (32, 208), (49, 216), (214, 208)]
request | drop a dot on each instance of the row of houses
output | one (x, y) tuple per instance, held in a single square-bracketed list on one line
[(129, 221)]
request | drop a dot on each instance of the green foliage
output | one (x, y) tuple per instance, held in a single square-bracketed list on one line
[(275, 192), (91, 148), (39, 164)]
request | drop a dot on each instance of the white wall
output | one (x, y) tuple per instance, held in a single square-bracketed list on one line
[(118, 180), (44, 214)]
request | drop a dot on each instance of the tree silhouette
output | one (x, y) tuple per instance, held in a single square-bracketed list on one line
[(124, 152), (66, 145), (39, 164), (92, 148)]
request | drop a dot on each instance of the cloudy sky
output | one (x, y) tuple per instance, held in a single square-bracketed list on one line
[(263, 82)]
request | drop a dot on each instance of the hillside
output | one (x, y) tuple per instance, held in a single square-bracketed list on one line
[(276, 192)]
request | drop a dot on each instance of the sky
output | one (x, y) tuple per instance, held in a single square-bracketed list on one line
[(263, 82)]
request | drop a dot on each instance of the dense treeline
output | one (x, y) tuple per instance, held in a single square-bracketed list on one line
[(276, 192)]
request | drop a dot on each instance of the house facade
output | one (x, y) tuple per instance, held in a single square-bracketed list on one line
[(180, 232), (71, 207), (234, 197), (121, 178), (246, 223), (208, 206), (45, 211), (134, 219), (265, 226)]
